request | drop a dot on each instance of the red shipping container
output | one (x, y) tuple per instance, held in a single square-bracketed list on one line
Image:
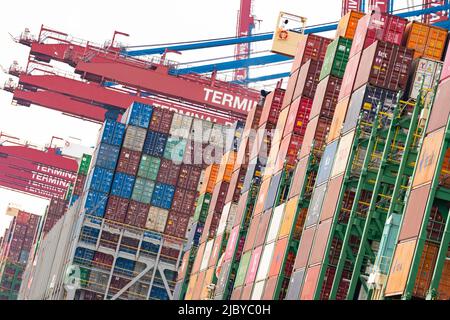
[(168, 172), (129, 161), (116, 209), (236, 183), (299, 113), (385, 66), (272, 106), (218, 197), (161, 120), (103, 260), (312, 47), (326, 98), (177, 224), (376, 26), (184, 201), (137, 214), (79, 185), (189, 177), (308, 79)]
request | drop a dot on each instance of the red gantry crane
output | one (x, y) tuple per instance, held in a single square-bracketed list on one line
[(245, 25), (87, 92), (25, 168)]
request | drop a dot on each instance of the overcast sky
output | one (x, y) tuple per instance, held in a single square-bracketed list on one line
[(147, 22)]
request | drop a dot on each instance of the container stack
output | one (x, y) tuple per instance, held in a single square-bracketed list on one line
[(254, 146), (367, 143), (232, 171), (420, 267), (80, 182), (138, 200), (203, 269), (16, 247), (206, 142), (269, 207), (55, 210)]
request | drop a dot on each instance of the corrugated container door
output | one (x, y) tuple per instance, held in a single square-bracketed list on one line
[(134, 138), (138, 114), (149, 167), (143, 190), (123, 185)]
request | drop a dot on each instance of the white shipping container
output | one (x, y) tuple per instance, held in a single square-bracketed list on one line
[(224, 218), (157, 219), (264, 264), (181, 126), (134, 138), (231, 217), (275, 223), (207, 254), (427, 74), (258, 290), (200, 183), (200, 130)]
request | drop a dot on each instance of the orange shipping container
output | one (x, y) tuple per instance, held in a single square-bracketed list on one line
[(226, 167), (198, 286), (338, 119), (401, 264), (288, 219), (428, 159), (347, 25), (427, 41), (210, 178), (259, 206), (191, 286), (425, 271), (208, 280)]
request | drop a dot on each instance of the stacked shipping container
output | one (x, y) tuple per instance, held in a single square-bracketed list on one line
[(344, 195), (16, 247), (144, 179)]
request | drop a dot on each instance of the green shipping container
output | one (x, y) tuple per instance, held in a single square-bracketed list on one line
[(85, 164), (242, 271), (143, 190), (149, 167), (336, 58), (175, 149), (69, 192), (201, 209), (84, 277)]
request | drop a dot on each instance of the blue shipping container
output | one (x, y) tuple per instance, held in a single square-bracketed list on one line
[(139, 115), (96, 203), (163, 196), (159, 293), (112, 132), (100, 179), (326, 163), (106, 156), (155, 143), (149, 248), (124, 266), (123, 185), (84, 256), (89, 234)]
